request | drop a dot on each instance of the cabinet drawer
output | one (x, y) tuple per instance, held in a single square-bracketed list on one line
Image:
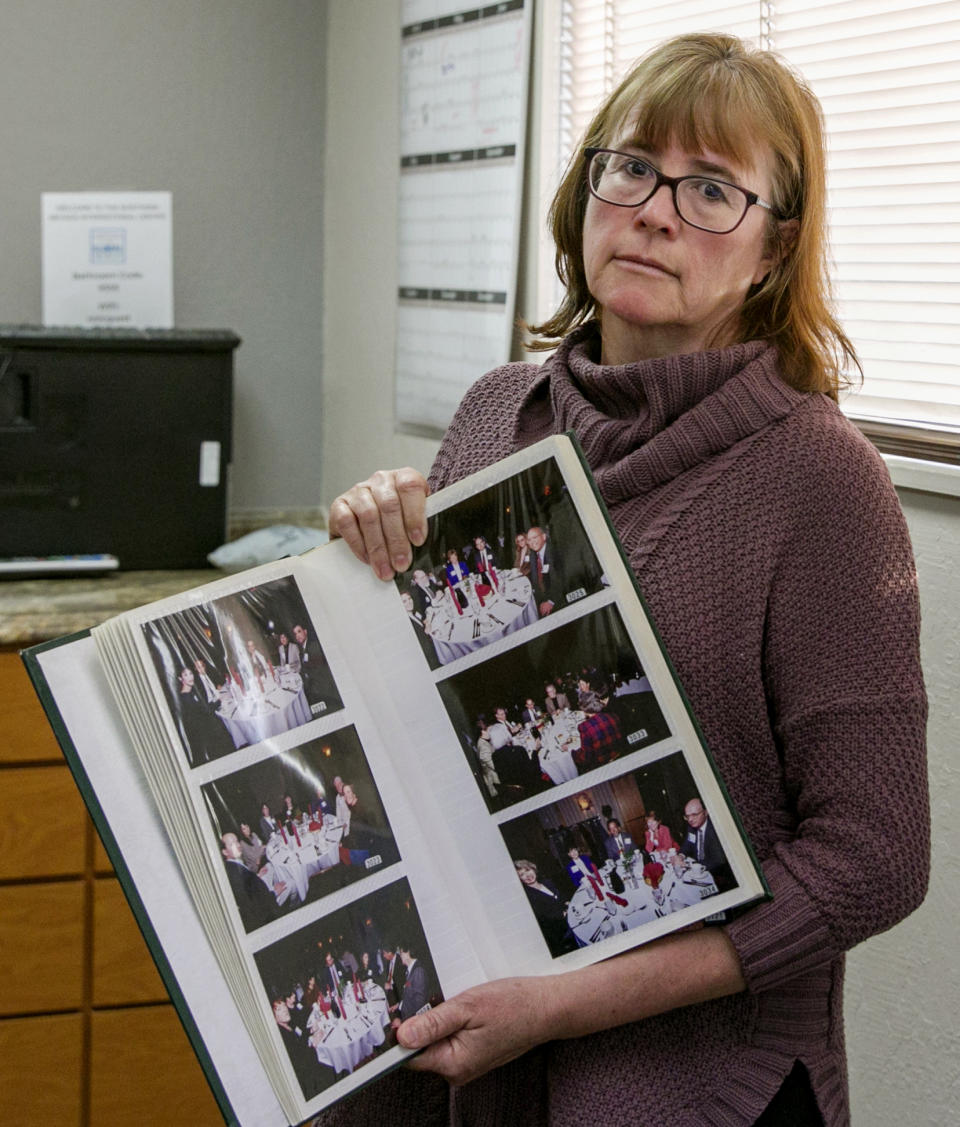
[(43, 823), (40, 1070), (143, 1071), (41, 937)]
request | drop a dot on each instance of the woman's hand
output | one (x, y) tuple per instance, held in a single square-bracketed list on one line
[(480, 1029), (381, 517), (492, 1024)]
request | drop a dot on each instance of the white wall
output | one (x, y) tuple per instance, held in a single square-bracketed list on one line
[(221, 102), (903, 990)]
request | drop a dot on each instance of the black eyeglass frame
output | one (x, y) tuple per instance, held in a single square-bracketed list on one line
[(672, 182)]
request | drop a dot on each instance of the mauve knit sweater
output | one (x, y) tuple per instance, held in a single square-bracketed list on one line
[(771, 551)]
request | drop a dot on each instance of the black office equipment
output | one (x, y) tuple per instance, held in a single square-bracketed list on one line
[(115, 441)]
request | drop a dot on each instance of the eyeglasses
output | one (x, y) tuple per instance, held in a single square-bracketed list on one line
[(626, 180)]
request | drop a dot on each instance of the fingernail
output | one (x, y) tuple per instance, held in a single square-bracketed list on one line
[(418, 535), (402, 562), (385, 572)]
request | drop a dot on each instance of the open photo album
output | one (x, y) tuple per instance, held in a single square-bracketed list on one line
[(334, 802)]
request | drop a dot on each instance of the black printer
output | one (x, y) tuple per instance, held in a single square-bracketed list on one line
[(115, 441)]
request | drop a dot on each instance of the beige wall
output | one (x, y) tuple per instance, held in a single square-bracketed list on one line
[(360, 263)]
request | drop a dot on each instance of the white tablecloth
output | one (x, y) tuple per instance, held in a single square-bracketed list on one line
[(295, 864), (255, 717), (342, 1043), (559, 739), (591, 919), (505, 610)]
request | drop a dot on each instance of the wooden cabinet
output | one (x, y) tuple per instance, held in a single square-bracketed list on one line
[(87, 1036)]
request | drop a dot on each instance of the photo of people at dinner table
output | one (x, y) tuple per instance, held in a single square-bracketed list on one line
[(298, 826), (240, 669), (618, 855), (340, 987), (497, 562), (553, 709)]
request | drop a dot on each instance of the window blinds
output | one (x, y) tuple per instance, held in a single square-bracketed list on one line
[(888, 76)]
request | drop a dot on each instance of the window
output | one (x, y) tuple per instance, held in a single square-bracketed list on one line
[(887, 75)]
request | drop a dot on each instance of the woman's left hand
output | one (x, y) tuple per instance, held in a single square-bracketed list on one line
[(480, 1029)]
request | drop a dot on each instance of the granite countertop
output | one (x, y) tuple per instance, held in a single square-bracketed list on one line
[(35, 610)]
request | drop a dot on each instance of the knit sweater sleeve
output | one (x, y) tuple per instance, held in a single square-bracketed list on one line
[(848, 709)]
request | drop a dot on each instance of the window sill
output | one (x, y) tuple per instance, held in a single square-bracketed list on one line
[(927, 444), (926, 476), (922, 458)]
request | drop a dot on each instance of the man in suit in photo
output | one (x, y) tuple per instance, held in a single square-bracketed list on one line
[(312, 666), (546, 575), (416, 991), (334, 975), (394, 974), (485, 564), (702, 844), (531, 715), (424, 590), (618, 843), (256, 903)]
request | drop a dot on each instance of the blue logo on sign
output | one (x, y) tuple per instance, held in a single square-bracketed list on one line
[(108, 246)]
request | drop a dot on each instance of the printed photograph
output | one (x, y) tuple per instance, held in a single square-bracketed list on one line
[(497, 562), (340, 987), (241, 669), (617, 855), (299, 826), (553, 709)]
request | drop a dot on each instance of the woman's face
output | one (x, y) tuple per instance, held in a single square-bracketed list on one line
[(664, 286), (652, 822), (528, 876)]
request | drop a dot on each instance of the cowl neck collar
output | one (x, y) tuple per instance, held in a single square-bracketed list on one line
[(643, 424)]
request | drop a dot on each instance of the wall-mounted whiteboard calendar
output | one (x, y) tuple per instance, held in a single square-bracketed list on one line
[(462, 124)]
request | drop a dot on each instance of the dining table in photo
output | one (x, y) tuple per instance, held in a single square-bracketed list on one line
[(258, 713), (458, 630), (298, 853), (596, 912), (341, 1043)]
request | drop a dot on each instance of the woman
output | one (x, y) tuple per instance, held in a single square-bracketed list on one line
[(548, 906), (252, 848), (699, 365), (657, 837), (521, 558), (581, 865)]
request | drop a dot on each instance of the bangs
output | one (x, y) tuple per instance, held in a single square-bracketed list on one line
[(722, 108)]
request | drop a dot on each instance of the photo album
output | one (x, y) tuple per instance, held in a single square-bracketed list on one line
[(333, 802)]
